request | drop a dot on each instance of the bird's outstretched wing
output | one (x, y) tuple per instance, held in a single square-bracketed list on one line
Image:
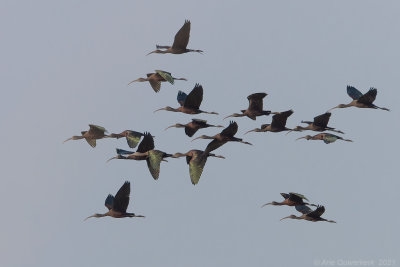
[(166, 75), (279, 120), (91, 142), (196, 167), (317, 212), (146, 144), (195, 97), (322, 120), (231, 130), (133, 138), (199, 122), (353, 92), (121, 200), (214, 144), (303, 209), (154, 161), (368, 97), (256, 101), (190, 131), (97, 129), (182, 36), (330, 138), (156, 85), (109, 203), (181, 97), (297, 195), (123, 152)]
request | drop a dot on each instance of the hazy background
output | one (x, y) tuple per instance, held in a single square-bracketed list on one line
[(65, 65)]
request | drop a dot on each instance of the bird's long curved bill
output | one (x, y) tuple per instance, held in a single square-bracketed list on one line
[(158, 110), (169, 126), (303, 137), (290, 131), (67, 140), (228, 116), (199, 137), (151, 52), (250, 131), (285, 218), (89, 217), (266, 204), (111, 159), (133, 81)]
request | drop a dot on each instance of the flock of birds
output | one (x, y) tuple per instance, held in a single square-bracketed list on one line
[(196, 159)]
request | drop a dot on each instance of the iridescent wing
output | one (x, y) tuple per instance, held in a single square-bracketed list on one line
[(156, 85), (154, 161), (182, 36), (195, 97), (91, 142), (231, 130), (133, 138), (214, 144), (190, 131), (330, 138), (123, 152), (279, 120), (317, 212), (353, 92), (256, 101), (303, 209), (322, 120), (181, 98), (109, 203), (146, 144), (369, 96), (121, 200), (166, 75), (196, 166), (297, 196), (97, 129)]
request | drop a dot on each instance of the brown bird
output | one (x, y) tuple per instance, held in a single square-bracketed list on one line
[(309, 215), (255, 108), (361, 100), (326, 137), (180, 42), (192, 127), (319, 124), (117, 205), (278, 123), (156, 78), (144, 146), (291, 199), (227, 135), (190, 103), (95, 132), (196, 159), (132, 137)]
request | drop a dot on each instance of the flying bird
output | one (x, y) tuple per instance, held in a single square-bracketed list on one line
[(319, 124), (95, 132), (132, 137), (278, 123), (156, 78), (326, 137), (190, 103), (255, 108), (361, 100), (291, 199), (117, 205), (180, 42), (192, 127), (196, 159), (309, 215), (227, 135)]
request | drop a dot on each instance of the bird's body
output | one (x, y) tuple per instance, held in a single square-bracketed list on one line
[(179, 46), (196, 159), (291, 199), (155, 79), (117, 205), (192, 127), (190, 104), (132, 137), (95, 132), (255, 108), (326, 137), (320, 124), (361, 100), (227, 135), (309, 215), (278, 123)]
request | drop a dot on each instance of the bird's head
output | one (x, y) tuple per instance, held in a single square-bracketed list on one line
[(117, 157), (308, 137), (96, 215), (157, 51), (254, 130), (338, 106), (178, 125), (290, 217), (167, 108), (178, 155), (138, 80), (203, 137)]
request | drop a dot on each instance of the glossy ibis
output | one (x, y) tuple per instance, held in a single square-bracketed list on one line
[(156, 78), (326, 137), (95, 132), (278, 123), (192, 127), (255, 108), (309, 215)]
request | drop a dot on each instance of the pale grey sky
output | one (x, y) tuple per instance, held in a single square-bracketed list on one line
[(65, 65)]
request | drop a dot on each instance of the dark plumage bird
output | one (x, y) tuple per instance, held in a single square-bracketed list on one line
[(326, 137), (291, 199), (190, 104), (309, 215), (255, 108), (196, 159), (146, 152), (192, 127), (227, 135), (132, 137), (319, 124), (278, 123), (361, 100), (117, 205), (95, 132), (180, 42), (156, 78)]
